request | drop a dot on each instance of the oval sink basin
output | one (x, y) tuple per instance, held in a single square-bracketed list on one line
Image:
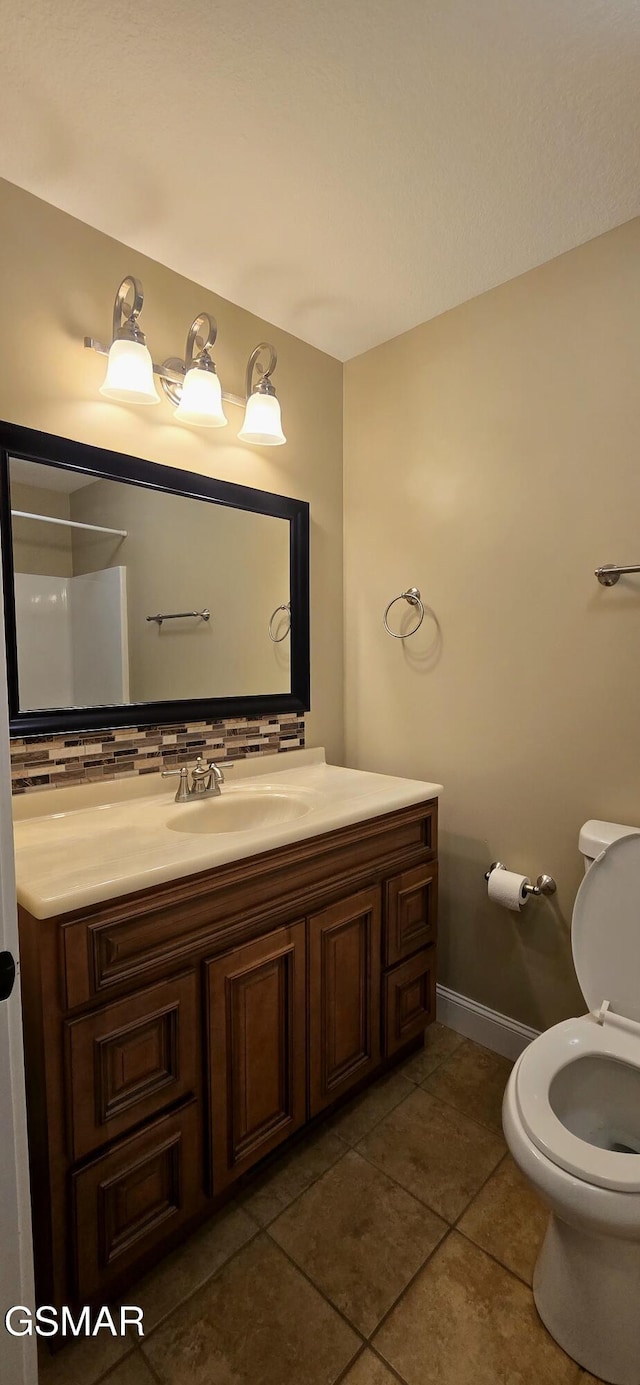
[(239, 810)]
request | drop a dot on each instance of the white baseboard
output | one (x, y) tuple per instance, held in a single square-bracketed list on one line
[(487, 1027)]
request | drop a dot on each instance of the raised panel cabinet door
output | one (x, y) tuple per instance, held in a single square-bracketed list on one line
[(257, 1049), (409, 1000), (410, 915), (344, 995)]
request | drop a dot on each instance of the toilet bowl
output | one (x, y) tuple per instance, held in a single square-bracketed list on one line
[(571, 1117)]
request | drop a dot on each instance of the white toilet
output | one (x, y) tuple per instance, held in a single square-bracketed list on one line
[(571, 1118)]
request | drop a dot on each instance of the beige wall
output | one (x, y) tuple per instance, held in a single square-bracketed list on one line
[(58, 278), (492, 459), (182, 554)]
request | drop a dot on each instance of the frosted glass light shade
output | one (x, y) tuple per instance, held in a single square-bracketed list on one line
[(262, 421), (129, 376), (201, 400)]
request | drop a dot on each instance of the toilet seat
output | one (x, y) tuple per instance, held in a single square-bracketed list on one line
[(537, 1067), (605, 932)]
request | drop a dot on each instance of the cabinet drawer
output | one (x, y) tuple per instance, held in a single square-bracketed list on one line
[(411, 903), (129, 938), (128, 1061), (409, 1000), (133, 1198)]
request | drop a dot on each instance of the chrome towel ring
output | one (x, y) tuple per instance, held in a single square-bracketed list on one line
[(412, 595), (277, 639)]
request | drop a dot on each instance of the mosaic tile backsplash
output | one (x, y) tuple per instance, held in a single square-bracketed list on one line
[(44, 762)]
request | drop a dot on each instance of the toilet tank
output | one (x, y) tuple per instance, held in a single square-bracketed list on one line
[(595, 836)]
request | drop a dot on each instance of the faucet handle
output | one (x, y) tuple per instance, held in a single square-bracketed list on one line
[(201, 777), (216, 771), (201, 770), (183, 787)]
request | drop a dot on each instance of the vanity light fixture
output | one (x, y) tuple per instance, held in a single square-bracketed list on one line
[(196, 389), (262, 416), (129, 376), (191, 384)]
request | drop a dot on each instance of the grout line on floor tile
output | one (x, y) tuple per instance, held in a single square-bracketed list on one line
[(404, 1189), (344, 1374), (392, 1369), (349, 1366), (439, 1064), (253, 1183), (417, 1196), (395, 1071), (201, 1285), (422, 1086), (486, 1129), (465, 1209), (443, 1240), (359, 1333), (104, 1379), (348, 1149), (493, 1257), (151, 1369)]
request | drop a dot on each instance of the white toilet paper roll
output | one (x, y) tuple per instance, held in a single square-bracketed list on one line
[(508, 889)]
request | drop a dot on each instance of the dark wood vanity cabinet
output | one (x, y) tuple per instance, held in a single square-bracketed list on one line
[(174, 1038)]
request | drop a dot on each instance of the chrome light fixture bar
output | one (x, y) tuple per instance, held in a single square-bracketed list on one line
[(192, 383)]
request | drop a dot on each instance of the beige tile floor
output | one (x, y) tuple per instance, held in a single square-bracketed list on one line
[(397, 1243)]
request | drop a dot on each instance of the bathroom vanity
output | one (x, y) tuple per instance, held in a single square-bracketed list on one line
[(195, 993)]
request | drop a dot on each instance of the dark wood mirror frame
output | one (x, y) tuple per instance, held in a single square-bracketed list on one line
[(30, 445)]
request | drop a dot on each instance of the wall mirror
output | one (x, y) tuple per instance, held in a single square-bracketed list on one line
[(137, 593)]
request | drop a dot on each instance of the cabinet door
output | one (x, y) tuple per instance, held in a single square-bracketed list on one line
[(257, 1049), (344, 995)]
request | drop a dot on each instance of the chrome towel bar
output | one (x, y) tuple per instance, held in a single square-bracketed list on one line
[(611, 573), (181, 615)]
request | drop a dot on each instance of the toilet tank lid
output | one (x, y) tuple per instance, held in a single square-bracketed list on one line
[(595, 836)]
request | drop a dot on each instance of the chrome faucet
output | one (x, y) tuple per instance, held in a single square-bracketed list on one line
[(205, 780)]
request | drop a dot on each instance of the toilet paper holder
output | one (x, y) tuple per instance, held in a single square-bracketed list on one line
[(545, 884)]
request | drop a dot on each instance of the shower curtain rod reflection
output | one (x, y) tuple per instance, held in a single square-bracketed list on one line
[(70, 523)]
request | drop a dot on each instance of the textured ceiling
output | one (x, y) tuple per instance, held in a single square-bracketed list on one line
[(344, 168)]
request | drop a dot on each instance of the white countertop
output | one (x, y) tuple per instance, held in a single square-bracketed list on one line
[(80, 846)]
